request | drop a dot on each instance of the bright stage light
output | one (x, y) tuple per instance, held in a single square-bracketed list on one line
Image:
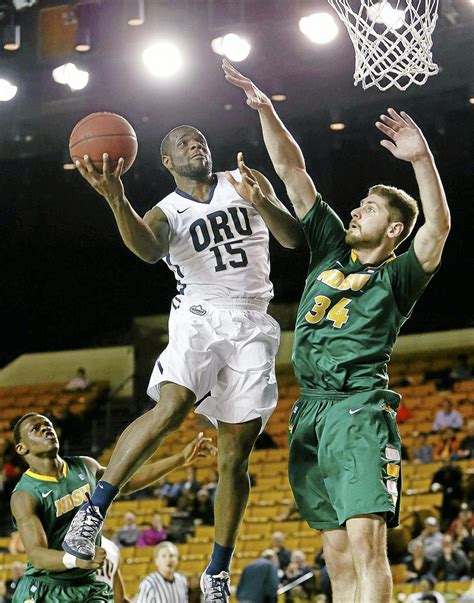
[(162, 59), (383, 12), (71, 76), (7, 90), (135, 12), (231, 46), (320, 28)]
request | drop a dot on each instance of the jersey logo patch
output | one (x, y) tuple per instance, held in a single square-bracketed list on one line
[(45, 494), (199, 310), (353, 411), (183, 210)]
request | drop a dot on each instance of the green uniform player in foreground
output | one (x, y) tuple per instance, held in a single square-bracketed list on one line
[(344, 445), (45, 501)]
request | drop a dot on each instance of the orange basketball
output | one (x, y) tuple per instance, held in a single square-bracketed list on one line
[(100, 133)]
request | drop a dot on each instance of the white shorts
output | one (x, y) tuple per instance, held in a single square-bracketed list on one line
[(223, 351)]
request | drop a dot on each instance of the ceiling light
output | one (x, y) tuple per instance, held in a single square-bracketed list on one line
[(382, 12), (71, 76), (337, 125), (11, 35), (278, 98), (162, 59), (320, 28), (7, 90), (135, 12), (231, 46), (85, 17)]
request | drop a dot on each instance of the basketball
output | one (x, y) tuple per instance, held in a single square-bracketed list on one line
[(100, 133)]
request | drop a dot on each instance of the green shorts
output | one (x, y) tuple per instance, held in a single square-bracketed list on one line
[(345, 456), (32, 589)]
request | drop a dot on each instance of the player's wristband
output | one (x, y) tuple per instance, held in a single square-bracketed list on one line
[(69, 561)]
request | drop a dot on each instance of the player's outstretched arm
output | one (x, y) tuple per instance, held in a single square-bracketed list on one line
[(23, 507), (283, 149), (256, 189), (408, 143), (147, 475), (147, 238)]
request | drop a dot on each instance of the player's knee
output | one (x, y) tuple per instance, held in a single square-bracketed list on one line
[(168, 415), (368, 551), (233, 461)]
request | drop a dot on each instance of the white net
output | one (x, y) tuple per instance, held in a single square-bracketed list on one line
[(392, 40)]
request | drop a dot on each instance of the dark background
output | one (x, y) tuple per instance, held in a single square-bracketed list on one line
[(67, 279)]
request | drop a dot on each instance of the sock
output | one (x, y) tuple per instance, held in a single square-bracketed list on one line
[(220, 559), (103, 496)]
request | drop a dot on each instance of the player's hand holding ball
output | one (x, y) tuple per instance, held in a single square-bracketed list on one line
[(249, 189), (104, 146)]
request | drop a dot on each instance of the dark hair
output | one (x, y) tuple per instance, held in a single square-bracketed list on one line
[(165, 143), (401, 207), (16, 428)]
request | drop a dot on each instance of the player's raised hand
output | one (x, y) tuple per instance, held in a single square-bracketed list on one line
[(200, 447), (95, 563), (256, 99), (406, 139), (249, 189), (108, 183)]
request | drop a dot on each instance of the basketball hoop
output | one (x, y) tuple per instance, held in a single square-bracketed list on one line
[(392, 40)]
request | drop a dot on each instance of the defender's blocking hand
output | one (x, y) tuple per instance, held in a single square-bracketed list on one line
[(200, 447), (249, 189), (256, 99), (408, 143)]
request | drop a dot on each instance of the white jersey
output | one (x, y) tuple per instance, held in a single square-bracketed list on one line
[(156, 589), (218, 248), (108, 570)]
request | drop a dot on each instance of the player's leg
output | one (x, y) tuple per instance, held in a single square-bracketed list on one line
[(142, 437), (136, 444), (340, 566), (367, 535), (235, 443)]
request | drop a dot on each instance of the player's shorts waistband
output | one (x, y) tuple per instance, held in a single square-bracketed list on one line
[(320, 394), (239, 303)]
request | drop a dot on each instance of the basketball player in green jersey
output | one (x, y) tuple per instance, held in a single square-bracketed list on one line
[(44, 503), (344, 445)]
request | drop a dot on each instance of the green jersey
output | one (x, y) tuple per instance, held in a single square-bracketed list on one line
[(56, 504), (350, 313)]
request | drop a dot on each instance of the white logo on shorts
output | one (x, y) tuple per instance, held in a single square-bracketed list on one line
[(199, 310), (45, 494), (353, 412)]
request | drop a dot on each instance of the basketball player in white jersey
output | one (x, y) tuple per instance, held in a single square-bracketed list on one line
[(212, 231), (110, 570)]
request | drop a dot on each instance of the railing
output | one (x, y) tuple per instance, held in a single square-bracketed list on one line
[(304, 578)]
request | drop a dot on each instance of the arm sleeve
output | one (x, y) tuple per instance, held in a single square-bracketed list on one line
[(408, 279), (144, 593), (323, 230)]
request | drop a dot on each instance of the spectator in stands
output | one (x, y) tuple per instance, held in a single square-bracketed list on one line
[(431, 539), (451, 563), (166, 585), (128, 534), (259, 580), (211, 485), (278, 546), (448, 417), (181, 521), (424, 450), (462, 371), (466, 446), (80, 381), (426, 594), (324, 580), (447, 446), (418, 566), (203, 509), (296, 569), (194, 590), (449, 479), (17, 569), (154, 534), (464, 522)]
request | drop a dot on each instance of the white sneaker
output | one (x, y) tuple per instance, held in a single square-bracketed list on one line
[(81, 536), (215, 588)]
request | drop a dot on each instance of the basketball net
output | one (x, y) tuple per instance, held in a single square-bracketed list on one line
[(392, 40)]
